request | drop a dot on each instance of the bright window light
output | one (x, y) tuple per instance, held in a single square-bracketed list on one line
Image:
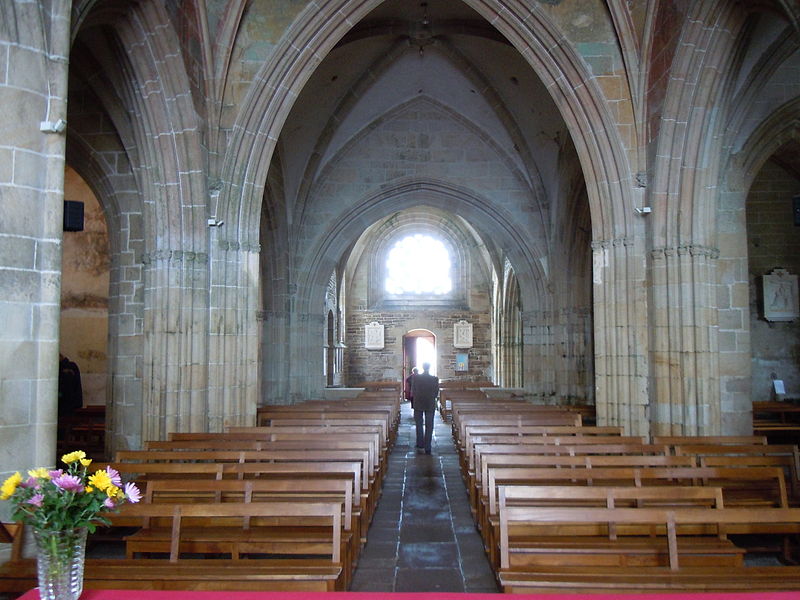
[(418, 264), (426, 353)]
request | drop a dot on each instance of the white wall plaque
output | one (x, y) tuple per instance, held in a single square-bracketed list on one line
[(373, 336), (462, 334), (780, 296)]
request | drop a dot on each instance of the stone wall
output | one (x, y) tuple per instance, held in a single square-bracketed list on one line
[(375, 365), (773, 241)]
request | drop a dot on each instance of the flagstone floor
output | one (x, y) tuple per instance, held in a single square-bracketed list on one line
[(423, 537)]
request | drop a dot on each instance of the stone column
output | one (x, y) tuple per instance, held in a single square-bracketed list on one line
[(306, 380), (733, 315), (685, 363), (175, 317), (235, 326), (537, 355), (34, 47), (620, 335)]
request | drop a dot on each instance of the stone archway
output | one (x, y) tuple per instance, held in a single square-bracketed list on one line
[(622, 355)]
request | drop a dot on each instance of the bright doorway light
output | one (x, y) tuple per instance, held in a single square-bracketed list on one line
[(426, 353), (418, 264)]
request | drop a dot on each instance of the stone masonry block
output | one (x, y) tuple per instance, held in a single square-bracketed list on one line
[(731, 319)]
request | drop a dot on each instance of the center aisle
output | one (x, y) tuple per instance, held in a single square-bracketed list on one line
[(423, 537)]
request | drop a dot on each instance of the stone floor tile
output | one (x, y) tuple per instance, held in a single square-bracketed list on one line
[(429, 580), (423, 536)]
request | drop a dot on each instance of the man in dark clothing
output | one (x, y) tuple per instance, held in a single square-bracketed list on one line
[(424, 390), (70, 390), (409, 383)]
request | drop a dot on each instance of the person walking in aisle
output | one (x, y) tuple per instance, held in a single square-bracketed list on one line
[(424, 390), (408, 386)]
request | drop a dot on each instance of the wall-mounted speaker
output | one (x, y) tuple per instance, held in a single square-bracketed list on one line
[(73, 215), (796, 210)]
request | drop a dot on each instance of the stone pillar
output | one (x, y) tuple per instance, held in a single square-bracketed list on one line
[(620, 335), (235, 325), (537, 355), (306, 380), (125, 336), (733, 302), (34, 47), (175, 353), (686, 394)]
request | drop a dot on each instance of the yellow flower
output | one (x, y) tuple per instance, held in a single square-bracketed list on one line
[(88, 489), (10, 486), (86, 461), (73, 456), (113, 491), (101, 480), (40, 473)]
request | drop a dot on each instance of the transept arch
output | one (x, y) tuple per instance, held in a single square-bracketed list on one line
[(617, 233)]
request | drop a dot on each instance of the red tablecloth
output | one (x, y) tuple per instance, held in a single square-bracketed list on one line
[(178, 595)]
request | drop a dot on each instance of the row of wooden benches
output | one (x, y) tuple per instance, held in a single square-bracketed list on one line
[(285, 506), (564, 507)]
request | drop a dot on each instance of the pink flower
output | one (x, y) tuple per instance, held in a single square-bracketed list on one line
[(132, 492), (109, 503), (113, 474), (68, 483), (36, 500), (56, 473), (31, 482)]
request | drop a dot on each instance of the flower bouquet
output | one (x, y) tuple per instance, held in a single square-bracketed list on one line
[(61, 506)]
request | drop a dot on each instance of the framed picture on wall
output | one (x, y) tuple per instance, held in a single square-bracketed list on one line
[(462, 334), (373, 336), (780, 296), (462, 361)]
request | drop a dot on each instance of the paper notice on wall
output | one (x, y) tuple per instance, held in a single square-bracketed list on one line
[(778, 386)]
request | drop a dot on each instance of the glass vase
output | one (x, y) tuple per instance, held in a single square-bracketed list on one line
[(60, 556)]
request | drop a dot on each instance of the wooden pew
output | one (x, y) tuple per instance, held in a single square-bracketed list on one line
[(478, 443), (754, 487), (322, 572), (486, 432), (265, 490), (788, 451), (449, 391), (486, 412), (588, 461), (243, 456), (301, 432), (598, 496), (788, 463), (269, 490), (142, 473), (298, 443), (669, 524), (716, 440), (598, 543), (533, 418), (289, 416), (300, 420)]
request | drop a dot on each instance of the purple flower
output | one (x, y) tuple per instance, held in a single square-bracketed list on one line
[(56, 473), (109, 503), (31, 482), (36, 500), (132, 492), (113, 474), (68, 483)]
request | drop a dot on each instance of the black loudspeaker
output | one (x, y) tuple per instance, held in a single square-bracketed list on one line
[(796, 210), (73, 215)]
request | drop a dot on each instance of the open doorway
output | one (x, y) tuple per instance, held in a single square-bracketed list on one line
[(419, 346), (83, 343)]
